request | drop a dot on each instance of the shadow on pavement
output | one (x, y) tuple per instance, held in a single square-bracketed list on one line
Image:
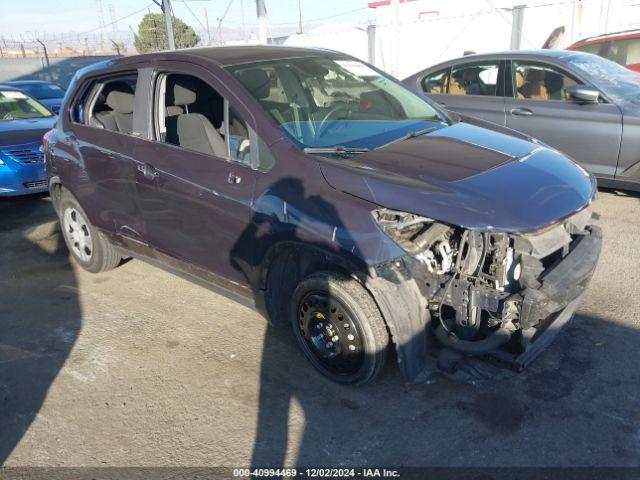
[(40, 316)]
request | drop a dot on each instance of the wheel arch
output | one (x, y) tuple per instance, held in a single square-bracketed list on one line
[(288, 262)]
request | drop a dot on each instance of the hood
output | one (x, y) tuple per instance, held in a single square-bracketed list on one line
[(20, 132), (468, 176)]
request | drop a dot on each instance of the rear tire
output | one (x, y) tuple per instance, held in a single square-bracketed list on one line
[(88, 246), (339, 327)]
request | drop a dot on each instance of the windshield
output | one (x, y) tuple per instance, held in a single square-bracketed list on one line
[(16, 105), (326, 102), (617, 81), (42, 90)]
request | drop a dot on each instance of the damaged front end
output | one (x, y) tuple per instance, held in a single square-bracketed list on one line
[(480, 294)]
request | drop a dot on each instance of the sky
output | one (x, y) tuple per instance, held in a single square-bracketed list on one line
[(32, 17)]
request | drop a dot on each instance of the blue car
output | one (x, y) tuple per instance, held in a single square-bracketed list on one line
[(48, 94), (23, 122)]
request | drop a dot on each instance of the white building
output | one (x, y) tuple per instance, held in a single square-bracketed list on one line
[(414, 34)]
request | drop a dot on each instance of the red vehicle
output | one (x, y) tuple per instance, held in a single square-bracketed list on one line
[(620, 47)]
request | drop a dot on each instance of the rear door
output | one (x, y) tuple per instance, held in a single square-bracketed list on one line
[(196, 203), (106, 188), (590, 134), (472, 88)]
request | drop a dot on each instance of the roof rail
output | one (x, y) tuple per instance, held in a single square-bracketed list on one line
[(607, 35)]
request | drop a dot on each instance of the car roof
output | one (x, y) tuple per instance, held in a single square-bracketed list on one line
[(9, 88), (233, 55), (546, 53), (605, 37)]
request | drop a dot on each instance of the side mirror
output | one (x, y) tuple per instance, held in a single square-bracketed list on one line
[(582, 95)]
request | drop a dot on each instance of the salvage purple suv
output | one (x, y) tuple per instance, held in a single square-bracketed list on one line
[(325, 194)]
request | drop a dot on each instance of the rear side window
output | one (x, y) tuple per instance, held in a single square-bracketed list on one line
[(536, 81), (474, 79), (107, 104), (594, 48), (625, 52), (437, 82), (191, 114)]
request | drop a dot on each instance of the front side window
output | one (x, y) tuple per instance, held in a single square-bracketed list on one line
[(15, 105), (108, 104), (437, 83), (474, 79), (323, 102), (191, 114), (536, 81)]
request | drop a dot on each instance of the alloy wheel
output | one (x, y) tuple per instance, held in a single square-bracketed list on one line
[(76, 231)]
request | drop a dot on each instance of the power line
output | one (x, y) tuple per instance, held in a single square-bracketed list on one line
[(119, 19)]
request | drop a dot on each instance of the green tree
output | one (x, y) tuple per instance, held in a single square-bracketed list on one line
[(152, 34)]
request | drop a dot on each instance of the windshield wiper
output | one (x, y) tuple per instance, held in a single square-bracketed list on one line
[(411, 135), (338, 149)]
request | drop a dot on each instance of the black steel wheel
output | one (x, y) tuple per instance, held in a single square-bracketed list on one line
[(339, 328)]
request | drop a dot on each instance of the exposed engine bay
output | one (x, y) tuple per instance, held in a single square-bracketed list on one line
[(493, 292)]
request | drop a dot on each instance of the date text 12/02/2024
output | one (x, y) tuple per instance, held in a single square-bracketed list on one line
[(316, 473)]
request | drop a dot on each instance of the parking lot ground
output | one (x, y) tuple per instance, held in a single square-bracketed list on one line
[(138, 367)]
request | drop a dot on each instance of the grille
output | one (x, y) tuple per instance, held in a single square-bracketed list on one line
[(39, 183), (25, 155)]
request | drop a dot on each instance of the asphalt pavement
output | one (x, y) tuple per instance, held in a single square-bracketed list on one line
[(139, 367)]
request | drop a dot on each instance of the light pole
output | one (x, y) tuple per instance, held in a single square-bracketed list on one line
[(262, 21), (166, 10)]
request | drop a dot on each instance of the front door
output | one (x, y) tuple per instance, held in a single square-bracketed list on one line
[(196, 188), (590, 134)]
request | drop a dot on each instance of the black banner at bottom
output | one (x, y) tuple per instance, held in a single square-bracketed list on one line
[(402, 473)]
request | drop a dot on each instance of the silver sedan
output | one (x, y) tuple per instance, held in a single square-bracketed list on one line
[(584, 105)]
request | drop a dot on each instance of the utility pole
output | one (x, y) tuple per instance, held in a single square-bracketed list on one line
[(300, 17), (395, 5), (114, 19), (517, 21), (166, 10), (244, 28), (206, 21), (262, 22), (100, 15)]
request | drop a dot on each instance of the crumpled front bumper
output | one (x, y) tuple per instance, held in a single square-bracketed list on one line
[(551, 292), (547, 309)]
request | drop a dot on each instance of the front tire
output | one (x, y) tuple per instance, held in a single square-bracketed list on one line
[(339, 327), (88, 246)]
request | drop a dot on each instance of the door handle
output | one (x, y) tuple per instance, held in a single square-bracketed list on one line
[(234, 179), (522, 112), (72, 140), (148, 171)]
